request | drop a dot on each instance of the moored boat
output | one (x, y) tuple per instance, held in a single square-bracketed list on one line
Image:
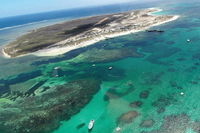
[(90, 125)]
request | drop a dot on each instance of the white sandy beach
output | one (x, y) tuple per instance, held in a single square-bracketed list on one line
[(61, 50)]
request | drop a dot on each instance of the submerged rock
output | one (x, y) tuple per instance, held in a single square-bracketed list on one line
[(114, 93), (136, 104), (163, 101), (144, 94), (127, 118), (147, 123), (160, 110)]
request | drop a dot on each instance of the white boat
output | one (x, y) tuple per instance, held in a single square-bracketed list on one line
[(188, 40), (118, 129), (110, 68), (182, 93), (91, 124)]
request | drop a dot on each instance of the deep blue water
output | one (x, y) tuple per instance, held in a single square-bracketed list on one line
[(72, 13)]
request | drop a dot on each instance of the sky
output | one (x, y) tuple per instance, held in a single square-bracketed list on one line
[(21, 7)]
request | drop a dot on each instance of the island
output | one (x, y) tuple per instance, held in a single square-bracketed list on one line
[(63, 37)]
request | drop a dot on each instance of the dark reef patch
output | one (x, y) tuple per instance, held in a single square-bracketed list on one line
[(136, 104), (160, 110), (152, 78), (144, 94), (35, 87), (170, 42), (5, 83), (4, 89), (159, 52), (115, 92), (193, 82), (190, 69), (43, 113), (181, 59), (173, 84), (163, 101), (127, 118), (147, 123), (104, 55), (197, 64), (21, 77), (171, 70), (196, 56), (177, 124)]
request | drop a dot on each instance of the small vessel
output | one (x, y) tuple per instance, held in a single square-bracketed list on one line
[(182, 93), (90, 125), (56, 71), (188, 40), (118, 129), (155, 31), (110, 68)]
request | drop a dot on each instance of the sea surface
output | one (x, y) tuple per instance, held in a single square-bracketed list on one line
[(154, 89)]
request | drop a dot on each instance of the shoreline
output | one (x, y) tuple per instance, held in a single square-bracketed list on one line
[(59, 50), (4, 54)]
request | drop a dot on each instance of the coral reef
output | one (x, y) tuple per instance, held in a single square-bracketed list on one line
[(147, 123), (177, 124), (136, 104), (42, 114), (103, 55), (163, 101), (127, 118), (144, 94), (114, 93), (153, 78)]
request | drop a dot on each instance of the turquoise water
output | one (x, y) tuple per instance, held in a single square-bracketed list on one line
[(168, 68), (158, 80)]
